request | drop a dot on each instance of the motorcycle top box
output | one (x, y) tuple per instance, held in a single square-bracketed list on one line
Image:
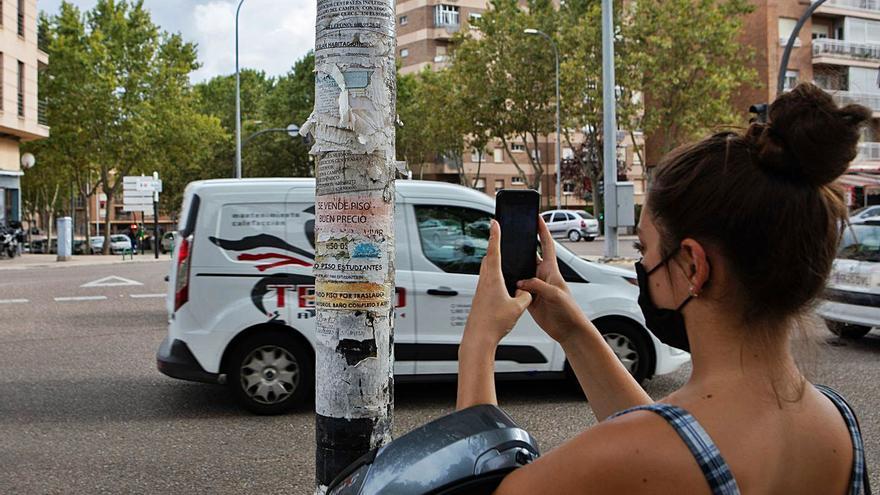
[(466, 452)]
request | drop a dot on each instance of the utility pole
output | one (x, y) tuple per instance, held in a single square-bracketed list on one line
[(156, 239), (609, 131), (353, 128), (237, 100)]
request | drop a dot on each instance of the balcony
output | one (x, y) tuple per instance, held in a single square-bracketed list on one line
[(868, 152), (861, 8), (841, 52), (870, 100)]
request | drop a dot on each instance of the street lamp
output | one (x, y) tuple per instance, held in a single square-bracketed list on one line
[(28, 160), (237, 101), (558, 139), (292, 130)]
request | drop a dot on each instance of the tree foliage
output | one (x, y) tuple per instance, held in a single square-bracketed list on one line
[(119, 101)]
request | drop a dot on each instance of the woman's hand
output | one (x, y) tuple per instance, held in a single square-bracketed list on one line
[(553, 308), (493, 312)]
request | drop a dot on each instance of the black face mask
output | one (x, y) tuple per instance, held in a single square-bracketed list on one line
[(666, 324)]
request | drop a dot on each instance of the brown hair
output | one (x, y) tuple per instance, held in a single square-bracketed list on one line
[(764, 199)]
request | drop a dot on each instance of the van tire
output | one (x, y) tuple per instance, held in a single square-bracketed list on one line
[(630, 343), (288, 369), (846, 330)]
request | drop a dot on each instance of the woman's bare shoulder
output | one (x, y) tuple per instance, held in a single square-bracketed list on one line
[(635, 453)]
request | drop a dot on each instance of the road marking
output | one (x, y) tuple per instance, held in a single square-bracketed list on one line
[(13, 301), (80, 298), (111, 281), (145, 296)]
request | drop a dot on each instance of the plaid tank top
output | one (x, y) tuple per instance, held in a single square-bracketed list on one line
[(714, 467)]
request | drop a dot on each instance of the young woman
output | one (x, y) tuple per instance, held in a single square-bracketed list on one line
[(738, 236)]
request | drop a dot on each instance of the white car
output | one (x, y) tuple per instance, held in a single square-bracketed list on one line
[(851, 303), (866, 213), (571, 224), (241, 290), (118, 243)]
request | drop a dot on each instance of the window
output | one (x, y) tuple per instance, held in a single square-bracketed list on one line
[(473, 16), (860, 242), (536, 155), (786, 27), (445, 16), (499, 184), (558, 217), (517, 147), (861, 30), (1, 71), (517, 180), (791, 80), (21, 18), (476, 156), (21, 89), (567, 154), (863, 80), (546, 217), (453, 238), (567, 188), (498, 155), (403, 20), (404, 52), (481, 185)]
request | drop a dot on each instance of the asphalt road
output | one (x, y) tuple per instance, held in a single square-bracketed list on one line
[(83, 409)]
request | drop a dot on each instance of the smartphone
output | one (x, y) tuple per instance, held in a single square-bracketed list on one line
[(516, 210)]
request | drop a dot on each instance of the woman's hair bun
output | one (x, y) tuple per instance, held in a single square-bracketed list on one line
[(808, 136)]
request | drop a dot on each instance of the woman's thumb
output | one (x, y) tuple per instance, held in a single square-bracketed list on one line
[(536, 287)]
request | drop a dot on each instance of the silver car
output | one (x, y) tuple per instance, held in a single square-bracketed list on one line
[(851, 303), (571, 224)]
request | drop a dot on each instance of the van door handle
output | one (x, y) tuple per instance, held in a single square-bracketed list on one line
[(443, 291)]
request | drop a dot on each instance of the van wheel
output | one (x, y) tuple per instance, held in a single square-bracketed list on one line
[(574, 236), (631, 345), (846, 330), (269, 372)]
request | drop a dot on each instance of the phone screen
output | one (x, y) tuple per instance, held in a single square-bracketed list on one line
[(517, 213)]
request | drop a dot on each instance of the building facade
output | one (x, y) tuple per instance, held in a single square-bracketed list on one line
[(838, 49), (22, 117)]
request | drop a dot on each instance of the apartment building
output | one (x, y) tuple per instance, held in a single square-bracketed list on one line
[(839, 50), (424, 31), (22, 117)]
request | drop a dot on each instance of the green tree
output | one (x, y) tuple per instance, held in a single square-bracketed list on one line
[(688, 70), (265, 103), (498, 69)]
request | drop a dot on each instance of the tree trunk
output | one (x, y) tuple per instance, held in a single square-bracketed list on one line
[(353, 127), (106, 249)]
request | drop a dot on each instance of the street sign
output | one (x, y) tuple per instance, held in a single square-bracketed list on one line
[(137, 193)]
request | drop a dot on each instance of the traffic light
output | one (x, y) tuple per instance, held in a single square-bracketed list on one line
[(760, 111)]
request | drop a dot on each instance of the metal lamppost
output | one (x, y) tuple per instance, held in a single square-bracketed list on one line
[(237, 101), (558, 139)]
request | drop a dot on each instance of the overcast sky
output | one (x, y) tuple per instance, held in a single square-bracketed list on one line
[(273, 34)]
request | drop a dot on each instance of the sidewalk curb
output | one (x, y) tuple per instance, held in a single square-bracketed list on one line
[(74, 262)]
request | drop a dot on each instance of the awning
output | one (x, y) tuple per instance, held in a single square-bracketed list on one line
[(863, 181)]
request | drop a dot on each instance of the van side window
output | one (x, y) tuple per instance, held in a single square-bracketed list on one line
[(453, 238)]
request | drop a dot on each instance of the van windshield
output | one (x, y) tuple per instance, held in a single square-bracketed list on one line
[(861, 242)]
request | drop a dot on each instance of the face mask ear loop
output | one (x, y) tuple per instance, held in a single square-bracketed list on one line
[(683, 304)]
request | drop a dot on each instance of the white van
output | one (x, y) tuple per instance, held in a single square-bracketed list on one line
[(241, 298)]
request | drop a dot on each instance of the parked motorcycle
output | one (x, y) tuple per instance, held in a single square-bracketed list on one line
[(11, 238)]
